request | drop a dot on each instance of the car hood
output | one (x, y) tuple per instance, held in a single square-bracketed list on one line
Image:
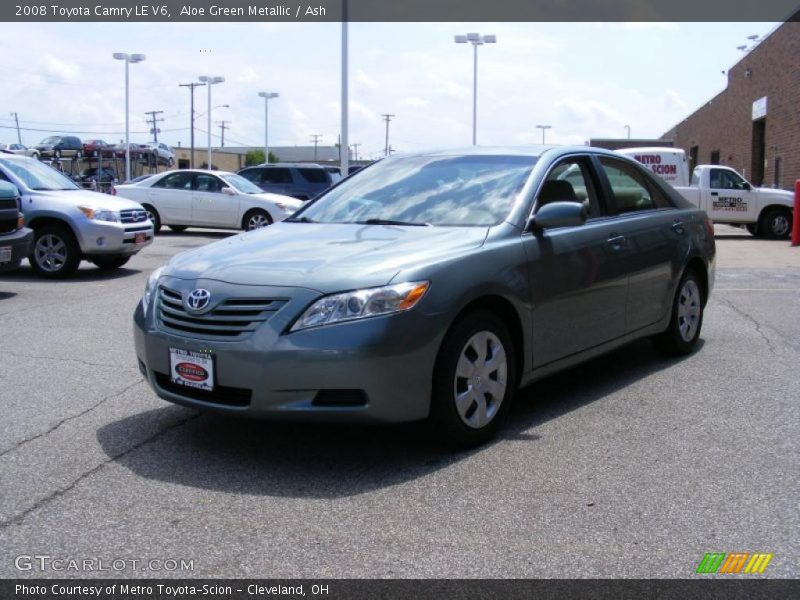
[(86, 198), (287, 200), (325, 257), (780, 196)]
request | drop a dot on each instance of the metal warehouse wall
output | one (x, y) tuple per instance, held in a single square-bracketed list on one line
[(724, 127)]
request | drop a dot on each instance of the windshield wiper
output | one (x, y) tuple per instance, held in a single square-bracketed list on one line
[(392, 222), (299, 220)]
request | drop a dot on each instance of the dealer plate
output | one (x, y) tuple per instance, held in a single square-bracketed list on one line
[(191, 369), (5, 254), (139, 237)]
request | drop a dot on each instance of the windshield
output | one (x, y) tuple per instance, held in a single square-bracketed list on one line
[(241, 184), (426, 190), (36, 175), (51, 140)]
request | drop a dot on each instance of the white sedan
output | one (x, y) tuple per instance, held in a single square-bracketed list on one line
[(201, 198)]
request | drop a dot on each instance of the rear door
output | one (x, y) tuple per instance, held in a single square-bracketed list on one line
[(172, 198), (210, 207), (652, 240), (730, 198), (577, 275), (277, 180)]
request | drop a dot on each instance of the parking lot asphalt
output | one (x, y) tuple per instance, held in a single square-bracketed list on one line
[(628, 466)]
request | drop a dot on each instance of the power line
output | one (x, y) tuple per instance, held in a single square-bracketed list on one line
[(223, 126), (191, 87), (89, 132), (153, 120), (387, 118), (315, 137)]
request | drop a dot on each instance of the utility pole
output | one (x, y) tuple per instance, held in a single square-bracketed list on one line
[(355, 151), (387, 118), (191, 87), (153, 120), (223, 127), (315, 137), (16, 120)]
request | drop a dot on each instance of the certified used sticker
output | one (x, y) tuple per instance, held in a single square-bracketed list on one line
[(192, 369)]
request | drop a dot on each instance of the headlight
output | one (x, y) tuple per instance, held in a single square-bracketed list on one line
[(360, 304), (150, 287), (100, 214), (285, 207)]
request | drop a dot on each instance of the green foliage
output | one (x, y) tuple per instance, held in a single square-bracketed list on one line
[(256, 157)]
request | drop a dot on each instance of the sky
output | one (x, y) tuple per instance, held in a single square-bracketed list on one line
[(585, 80)]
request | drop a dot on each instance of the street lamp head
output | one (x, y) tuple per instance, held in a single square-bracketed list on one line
[(461, 39), (268, 95), (137, 58), (120, 56), (473, 37), (490, 39), (211, 80)]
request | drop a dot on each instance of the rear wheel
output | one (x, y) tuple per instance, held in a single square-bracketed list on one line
[(152, 214), (776, 224), (56, 253), (752, 228), (256, 219), (178, 228), (474, 380), (109, 263), (683, 331)]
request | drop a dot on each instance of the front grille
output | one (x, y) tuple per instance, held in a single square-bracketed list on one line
[(8, 225), (133, 215), (231, 319), (139, 228), (227, 396)]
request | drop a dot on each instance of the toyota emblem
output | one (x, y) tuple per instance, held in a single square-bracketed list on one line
[(198, 299)]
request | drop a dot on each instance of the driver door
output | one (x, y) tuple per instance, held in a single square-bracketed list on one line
[(211, 207), (731, 198)]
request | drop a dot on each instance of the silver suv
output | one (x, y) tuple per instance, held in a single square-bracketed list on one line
[(71, 224)]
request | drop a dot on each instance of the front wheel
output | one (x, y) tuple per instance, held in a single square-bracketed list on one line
[(683, 331), (474, 380), (109, 263), (152, 214), (178, 228), (56, 253), (256, 219), (776, 224), (752, 228)]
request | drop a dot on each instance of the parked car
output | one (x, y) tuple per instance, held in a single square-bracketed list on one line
[(71, 224), (88, 177), (20, 149), (430, 286), (118, 150), (299, 180), (163, 153), (16, 240), (202, 198), (60, 146), (97, 148)]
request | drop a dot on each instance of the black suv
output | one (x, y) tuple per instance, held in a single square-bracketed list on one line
[(299, 180), (15, 240), (60, 146)]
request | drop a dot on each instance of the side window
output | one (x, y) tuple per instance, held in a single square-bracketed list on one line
[(630, 189), (175, 181), (251, 175), (722, 179), (569, 181), (314, 175), (277, 175), (695, 177), (204, 182)]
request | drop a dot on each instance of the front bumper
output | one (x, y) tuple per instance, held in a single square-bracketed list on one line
[(107, 238), (21, 242), (378, 369)]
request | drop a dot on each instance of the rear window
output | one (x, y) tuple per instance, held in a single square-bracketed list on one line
[(314, 175)]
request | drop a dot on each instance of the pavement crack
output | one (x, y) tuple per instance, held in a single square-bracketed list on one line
[(56, 358), (70, 418), (19, 518), (770, 345)]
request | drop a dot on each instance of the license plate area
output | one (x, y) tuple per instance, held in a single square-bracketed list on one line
[(139, 237), (191, 369), (5, 254)]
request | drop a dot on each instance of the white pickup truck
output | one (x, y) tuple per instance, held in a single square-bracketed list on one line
[(729, 198)]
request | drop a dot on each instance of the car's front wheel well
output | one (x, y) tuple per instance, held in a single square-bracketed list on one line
[(505, 311), (697, 266), (38, 222)]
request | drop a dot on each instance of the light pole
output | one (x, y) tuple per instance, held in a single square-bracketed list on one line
[(128, 58), (267, 96), (544, 128), (209, 81), (476, 40), (628, 127)]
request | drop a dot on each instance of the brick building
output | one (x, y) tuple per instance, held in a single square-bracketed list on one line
[(754, 124)]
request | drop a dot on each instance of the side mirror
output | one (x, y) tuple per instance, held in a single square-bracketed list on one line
[(558, 214), (228, 191), (746, 186)]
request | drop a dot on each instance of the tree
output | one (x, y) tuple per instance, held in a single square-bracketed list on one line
[(256, 157)]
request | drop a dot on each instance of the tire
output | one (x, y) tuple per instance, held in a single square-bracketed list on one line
[(477, 365), (178, 228), (153, 215), (256, 219), (55, 253), (681, 335), (752, 228), (776, 224), (109, 263)]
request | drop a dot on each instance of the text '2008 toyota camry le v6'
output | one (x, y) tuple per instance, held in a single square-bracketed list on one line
[(430, 286)]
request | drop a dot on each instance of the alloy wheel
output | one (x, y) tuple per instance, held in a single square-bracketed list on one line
[(50, 253)]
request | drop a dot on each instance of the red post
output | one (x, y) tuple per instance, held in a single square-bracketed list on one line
[(796, 219)]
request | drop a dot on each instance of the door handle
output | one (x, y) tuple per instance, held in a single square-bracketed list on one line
[(617, 242), (677, 227)]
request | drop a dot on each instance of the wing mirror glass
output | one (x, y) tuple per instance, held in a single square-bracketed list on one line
[(558, 214)]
